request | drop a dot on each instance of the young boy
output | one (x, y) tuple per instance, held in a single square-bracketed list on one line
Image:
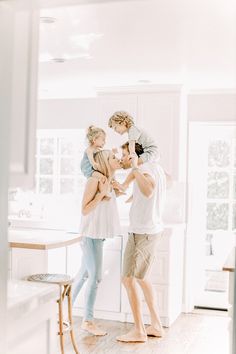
[(122, 122)]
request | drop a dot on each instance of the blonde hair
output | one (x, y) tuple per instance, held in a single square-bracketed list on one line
[(93, 133), (121, 117), (101, 158)]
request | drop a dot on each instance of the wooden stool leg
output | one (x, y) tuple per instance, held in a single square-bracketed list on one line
[(60, 302), (71, 319)]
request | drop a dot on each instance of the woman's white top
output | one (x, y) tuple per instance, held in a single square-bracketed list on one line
[(103, 221)]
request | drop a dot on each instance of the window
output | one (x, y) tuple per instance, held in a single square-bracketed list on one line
[(221, 186), (58, 157)]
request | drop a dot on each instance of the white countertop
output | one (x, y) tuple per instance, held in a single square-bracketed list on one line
[(40, 238)]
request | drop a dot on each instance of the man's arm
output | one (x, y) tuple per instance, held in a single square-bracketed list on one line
[(145, 182)]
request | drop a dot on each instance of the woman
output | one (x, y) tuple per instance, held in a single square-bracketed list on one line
[(97, 224)]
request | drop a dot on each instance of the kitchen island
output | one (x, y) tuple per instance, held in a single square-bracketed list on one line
[(38, 251), (31, 318)]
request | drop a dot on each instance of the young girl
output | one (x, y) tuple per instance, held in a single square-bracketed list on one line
[(122, 122), (96, 138)]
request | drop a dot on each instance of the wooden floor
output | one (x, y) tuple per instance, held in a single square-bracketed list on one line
[(202, 332)]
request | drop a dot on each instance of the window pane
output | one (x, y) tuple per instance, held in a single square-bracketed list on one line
[(67, 146), (218, 185), (219, 153), (81, 184), (217, 216), (209, 251), (46, 166), (67, 166), (67, 185), (45, 185), (46, 146)]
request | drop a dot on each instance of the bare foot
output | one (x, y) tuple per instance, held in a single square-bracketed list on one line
[(92, 328), (129, 200), (154, 332), (132, 336), (106, 197)]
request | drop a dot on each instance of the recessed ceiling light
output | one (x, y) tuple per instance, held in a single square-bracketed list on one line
[(47, 19), (144, 81), (58, 60)]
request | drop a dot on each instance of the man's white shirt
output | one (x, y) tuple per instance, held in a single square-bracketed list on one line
[(145, 212)]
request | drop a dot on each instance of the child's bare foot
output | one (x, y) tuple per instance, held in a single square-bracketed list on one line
[(106, 197), (129, 200)]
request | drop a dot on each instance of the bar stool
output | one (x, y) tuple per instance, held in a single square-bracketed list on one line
[(65, 283)]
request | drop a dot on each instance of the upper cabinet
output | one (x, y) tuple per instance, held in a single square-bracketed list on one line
[(160, 111), (24, 73)]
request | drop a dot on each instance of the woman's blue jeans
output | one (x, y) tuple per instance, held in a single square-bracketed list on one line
[(90, 270)]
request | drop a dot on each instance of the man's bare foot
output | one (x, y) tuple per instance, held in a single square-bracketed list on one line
[(92, 328), (154, 332), (132, 336)]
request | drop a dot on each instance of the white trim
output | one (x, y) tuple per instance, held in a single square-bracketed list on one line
[(227, 91), (138, 89), (223, 122)]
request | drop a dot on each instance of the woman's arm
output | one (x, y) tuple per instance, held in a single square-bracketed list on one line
[(91, 196)]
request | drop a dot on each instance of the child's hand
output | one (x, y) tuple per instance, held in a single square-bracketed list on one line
[(116, 185)]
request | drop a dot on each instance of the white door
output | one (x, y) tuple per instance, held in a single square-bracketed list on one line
[(212, 208)]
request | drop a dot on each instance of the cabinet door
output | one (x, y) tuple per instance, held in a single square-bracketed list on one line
[(24, 71), (110, 103), (159, 114)]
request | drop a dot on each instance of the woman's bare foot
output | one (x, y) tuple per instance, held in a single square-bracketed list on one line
[(133, 336), (155, 332), (92, 328)]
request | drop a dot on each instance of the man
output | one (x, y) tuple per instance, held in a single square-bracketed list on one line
[(145, 230)]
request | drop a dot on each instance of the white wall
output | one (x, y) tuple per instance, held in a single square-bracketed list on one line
[(212, 107), (67, 113), (79, 113)]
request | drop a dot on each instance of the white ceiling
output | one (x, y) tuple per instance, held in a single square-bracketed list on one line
[(118, 43)]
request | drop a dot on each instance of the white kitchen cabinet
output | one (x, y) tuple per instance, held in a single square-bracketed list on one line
[(166, 277), (24, 56), (159, 110)]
